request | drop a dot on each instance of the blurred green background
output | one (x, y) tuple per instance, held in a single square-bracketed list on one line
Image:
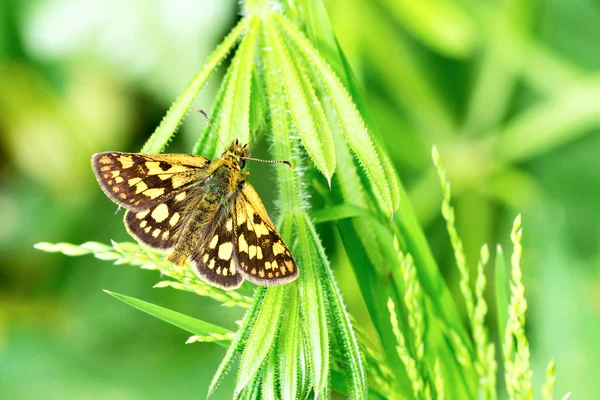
[(509, 91)]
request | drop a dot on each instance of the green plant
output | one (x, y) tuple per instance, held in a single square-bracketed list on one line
[(298, 340)]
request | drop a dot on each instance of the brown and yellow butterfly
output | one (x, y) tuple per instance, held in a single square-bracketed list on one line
[(197, 210)]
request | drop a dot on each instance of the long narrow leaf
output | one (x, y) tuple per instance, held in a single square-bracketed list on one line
[(354, 129), (306, 111), (261, 337), (180, 107), (239, 341), (235, 117), (193, 325)]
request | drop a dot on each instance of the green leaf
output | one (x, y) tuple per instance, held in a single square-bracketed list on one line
[(239, 341), (206, 145), (261, 336), (342, 211), (269, 384), (340, 322), (235, 117), (290, 332), (312, 307), (406, 224), (353, 127), (502, 292), (306, 111), (161, 136), (193, 325)]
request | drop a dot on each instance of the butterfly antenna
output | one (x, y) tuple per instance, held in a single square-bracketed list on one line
[(289, 164), (212, 128)]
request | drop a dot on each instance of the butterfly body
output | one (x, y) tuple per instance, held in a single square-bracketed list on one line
[(197, 210)]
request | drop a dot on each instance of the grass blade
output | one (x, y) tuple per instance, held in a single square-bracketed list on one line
[(161, 136), (261, 337), (502, 291), (305, 110), (355, 131), (192, 325), (235, 117)]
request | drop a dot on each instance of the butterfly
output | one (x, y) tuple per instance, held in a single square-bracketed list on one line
[(198, 210)]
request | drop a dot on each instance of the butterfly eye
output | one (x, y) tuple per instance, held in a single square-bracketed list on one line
[(242, 164)]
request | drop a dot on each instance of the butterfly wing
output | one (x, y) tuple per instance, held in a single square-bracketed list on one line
[(215, 259), (158, 226), (142, 181), (263, 257)]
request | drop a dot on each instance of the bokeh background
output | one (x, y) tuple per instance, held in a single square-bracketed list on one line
[(509, 91)]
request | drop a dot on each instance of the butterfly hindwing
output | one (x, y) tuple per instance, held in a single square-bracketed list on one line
[(159, 226), (141, 181), (262, 255), (215, 259)]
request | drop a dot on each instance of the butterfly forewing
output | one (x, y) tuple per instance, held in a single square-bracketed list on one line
[(263, 257), (141, 181)]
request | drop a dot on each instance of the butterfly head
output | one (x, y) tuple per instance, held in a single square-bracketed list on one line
[(236, 154)]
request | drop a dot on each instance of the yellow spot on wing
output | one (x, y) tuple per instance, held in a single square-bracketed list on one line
[(278, 248), (180, 196), (104, 160), (261, 230), (154, 193), (153, 168), (241, 217), (140, 187), (133, 181), (213, 242), (156, 232), (229, 224), (242, 244), (232, 267), (178, 180), (205, 258), (126, 161), (211, 264), (251, 251), (142, 214), (225, 251), (160, 213), (115, 173), (143, 224), (118, 179), (165, 235), (174, 219), (259, 254)]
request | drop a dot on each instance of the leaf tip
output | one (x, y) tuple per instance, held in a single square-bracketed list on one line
[(435, 155)]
